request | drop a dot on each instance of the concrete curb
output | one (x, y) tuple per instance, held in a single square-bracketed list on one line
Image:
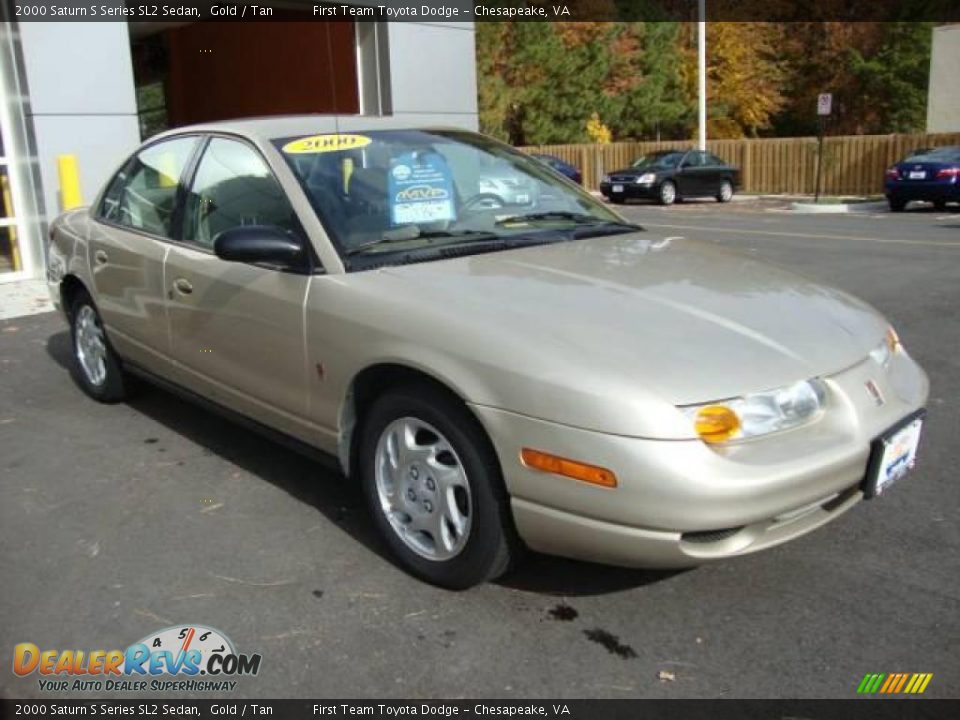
[(838, 208)]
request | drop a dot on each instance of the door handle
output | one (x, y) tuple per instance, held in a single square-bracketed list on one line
[(100, 257), (183, 286)]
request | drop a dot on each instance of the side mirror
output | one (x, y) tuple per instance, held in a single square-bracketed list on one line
[(258, 243)]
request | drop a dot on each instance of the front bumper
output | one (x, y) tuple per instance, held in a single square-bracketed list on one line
[(681, 502), (631, 191)]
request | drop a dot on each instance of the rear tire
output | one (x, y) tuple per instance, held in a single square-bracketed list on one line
[(96, 367), (668, 193), (434, 487), (896, 205)]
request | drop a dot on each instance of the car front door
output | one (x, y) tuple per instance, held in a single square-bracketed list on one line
[(128, 243), (237, 329), (715, 170), (692, 175), (684, 176)]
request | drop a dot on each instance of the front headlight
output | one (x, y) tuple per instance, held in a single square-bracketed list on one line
[(882, 353), (606, 179), (758, 413), (646, 179)]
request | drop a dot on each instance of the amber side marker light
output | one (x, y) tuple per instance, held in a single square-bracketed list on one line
[(568, 468)]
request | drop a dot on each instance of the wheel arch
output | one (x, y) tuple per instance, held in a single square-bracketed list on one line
[(369, 384), (70, 287)]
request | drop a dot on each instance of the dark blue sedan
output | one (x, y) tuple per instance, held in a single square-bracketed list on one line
[(561, 166), (932, 175)]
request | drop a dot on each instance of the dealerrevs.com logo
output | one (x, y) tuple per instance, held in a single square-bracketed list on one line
[(197, 658)]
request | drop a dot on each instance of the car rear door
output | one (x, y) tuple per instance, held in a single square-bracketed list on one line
[(131, 227), (237, 329)]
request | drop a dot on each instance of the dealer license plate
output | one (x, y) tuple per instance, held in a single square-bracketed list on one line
[(894, 455), (617, 188), (917, 175)]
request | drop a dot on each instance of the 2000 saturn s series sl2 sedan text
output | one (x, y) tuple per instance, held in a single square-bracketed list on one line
[(544, 375)]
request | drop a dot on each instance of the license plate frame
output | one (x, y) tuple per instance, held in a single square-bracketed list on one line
[(617, 189), (917, 175), (888, 464)]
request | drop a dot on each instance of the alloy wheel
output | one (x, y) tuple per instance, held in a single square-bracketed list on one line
[(423, 489), (90, 346)]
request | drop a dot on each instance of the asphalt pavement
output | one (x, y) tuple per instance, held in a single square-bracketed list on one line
[(117, 521)]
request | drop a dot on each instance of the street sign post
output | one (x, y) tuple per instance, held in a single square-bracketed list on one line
[(824, 108)]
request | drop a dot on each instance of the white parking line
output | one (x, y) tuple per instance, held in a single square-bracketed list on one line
[(740, 231)]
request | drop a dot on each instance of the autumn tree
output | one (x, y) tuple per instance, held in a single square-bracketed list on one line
[(744, 77), (877, 72)]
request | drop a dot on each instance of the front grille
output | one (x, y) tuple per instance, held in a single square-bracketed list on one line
[(710, 536), (621, 178)]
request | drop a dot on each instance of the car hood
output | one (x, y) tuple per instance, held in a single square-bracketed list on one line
[(634, 171), (687, 321)]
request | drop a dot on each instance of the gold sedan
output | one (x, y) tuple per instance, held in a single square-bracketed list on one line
[(497, 369)]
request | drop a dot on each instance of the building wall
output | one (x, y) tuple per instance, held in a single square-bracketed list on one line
[(433, 73), (79, 94), (81, 100), (943, 104)]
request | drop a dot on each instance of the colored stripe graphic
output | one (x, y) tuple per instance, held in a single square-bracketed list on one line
[(894, 683)]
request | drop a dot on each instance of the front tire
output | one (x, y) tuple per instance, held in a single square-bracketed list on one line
[(725, 194), (668, 193), (96, 367), (434, 487)]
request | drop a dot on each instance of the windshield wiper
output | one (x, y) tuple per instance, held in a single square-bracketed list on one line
[(456, 236), (577, 218)]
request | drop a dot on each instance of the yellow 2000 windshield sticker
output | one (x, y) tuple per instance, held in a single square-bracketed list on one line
[(326, 143)]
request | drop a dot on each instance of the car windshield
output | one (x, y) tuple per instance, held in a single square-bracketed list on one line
[(409, 195), (663, 159), (941, 154)]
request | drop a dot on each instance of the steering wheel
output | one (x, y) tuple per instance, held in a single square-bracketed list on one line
[(482, 201)]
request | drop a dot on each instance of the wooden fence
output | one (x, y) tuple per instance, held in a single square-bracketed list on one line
[(852, 165)]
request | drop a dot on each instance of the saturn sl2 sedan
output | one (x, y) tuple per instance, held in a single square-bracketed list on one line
[(548, 376)]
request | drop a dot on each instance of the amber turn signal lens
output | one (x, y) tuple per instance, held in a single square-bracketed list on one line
[(568, 468), (716, 423)]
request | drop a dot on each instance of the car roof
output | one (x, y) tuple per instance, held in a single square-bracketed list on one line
[(279, 126)]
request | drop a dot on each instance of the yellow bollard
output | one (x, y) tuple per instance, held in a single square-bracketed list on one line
[(70, 195)]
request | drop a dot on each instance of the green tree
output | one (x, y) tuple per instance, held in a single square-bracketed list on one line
[(541, 82), (892, 82), (877, 72)]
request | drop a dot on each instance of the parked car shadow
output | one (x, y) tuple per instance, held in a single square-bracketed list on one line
[(302, 477), (337, 498), (548, 575)]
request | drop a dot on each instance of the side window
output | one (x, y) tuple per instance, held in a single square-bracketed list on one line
[(714, 161), (143, 195), (233, 186), (697, 159)]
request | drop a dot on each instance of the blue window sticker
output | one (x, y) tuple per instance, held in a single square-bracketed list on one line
[(420, 189)]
